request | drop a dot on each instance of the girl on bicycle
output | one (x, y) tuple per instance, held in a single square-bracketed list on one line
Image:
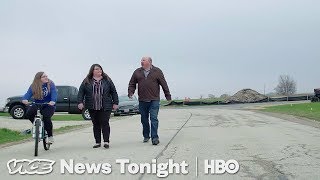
[(42, 90)]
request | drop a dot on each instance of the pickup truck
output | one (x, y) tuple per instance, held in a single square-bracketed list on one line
[(66, 102)]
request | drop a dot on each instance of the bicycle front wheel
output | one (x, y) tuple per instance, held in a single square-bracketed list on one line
[(36, 139)]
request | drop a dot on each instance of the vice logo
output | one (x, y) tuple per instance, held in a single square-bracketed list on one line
[(30, 167)]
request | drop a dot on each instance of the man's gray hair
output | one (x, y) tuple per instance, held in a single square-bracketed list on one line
[(147, 58)]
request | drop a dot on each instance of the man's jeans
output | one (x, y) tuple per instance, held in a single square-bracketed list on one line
[(149, 109)]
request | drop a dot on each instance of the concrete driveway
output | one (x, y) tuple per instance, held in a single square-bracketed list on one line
[(265, 147)]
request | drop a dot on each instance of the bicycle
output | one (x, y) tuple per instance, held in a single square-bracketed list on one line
[(38, 131)]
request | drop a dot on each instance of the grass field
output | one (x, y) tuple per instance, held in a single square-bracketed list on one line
[(7, 135), (67, 117), (306, 110), (68, 128), (4, 114)]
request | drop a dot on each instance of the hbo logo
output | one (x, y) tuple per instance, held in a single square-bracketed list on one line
[(220, 166)]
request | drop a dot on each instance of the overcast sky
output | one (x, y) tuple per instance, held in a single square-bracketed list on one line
[(203, 47)]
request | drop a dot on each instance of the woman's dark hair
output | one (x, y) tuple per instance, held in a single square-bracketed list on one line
[(90, 74)]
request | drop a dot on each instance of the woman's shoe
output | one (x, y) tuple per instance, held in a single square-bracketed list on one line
[(106, 145), (97, 146), (50, 140)]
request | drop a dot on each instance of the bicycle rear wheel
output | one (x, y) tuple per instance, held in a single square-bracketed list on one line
[(46, 145), (36, 139)]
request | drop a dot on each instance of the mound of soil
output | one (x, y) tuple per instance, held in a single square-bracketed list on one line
[(247, 96)]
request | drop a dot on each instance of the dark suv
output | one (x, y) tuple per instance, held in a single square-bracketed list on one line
[(66, 102)]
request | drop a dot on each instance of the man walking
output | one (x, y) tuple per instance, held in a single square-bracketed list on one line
[(149, 78)]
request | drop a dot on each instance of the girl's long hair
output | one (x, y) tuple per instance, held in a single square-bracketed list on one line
[(36, 86)]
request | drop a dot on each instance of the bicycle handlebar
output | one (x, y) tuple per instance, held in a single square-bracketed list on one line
[(38, 103)]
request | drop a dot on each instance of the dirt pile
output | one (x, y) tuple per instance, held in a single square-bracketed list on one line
[(246, 96)]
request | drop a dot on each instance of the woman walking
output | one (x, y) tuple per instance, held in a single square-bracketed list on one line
[(98, 94)]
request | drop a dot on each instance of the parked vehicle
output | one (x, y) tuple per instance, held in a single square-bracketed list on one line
[(316, 97), (127, 106), (66, 102)]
